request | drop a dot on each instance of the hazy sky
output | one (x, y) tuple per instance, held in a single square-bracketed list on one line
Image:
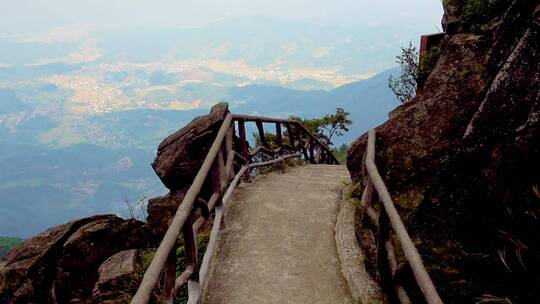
[(39, 15)]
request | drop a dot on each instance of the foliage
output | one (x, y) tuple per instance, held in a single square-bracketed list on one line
[(7, 243), (404, 86), (476, 13), (327, 127), (341, 153), (427, 63)]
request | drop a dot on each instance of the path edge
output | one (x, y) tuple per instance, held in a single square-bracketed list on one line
[(363, 288)]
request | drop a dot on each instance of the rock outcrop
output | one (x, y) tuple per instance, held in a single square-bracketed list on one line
[(181, 154), (462, 158), (178, 160), (61, 264), (120, 275)]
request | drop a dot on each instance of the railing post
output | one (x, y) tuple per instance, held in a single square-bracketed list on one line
[(388, 209), (385, 272), (244, 145), (301, 143), (169, 278), (218, 176), (279, 139), (229, 170), (262, 136), (291, 135), (190, 248), (311, 150)]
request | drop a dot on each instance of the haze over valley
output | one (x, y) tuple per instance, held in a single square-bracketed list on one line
[(83, 107)]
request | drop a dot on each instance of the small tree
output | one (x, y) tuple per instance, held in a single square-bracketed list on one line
[(336, 124), (328, 126), (404, 86)]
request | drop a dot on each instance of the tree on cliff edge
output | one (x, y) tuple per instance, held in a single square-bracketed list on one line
[(327, 127), (404, 86)]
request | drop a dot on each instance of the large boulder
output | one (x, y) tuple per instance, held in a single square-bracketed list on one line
[(462, 161), (120, 276), (61, 264), (179, 158), (162, 209), (180, 155)]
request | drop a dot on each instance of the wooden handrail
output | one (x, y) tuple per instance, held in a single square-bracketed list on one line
[(222, 178), (260, 119), (389, 215)]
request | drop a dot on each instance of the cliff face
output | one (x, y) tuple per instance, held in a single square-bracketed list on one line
[(462, 158)]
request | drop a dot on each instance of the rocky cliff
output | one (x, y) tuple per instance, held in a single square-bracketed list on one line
[(462, 158)]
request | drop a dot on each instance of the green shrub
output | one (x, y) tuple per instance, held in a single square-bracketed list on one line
[(476, 13), (427, 63)]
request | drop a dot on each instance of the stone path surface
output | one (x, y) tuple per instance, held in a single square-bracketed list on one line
[(277, 241)]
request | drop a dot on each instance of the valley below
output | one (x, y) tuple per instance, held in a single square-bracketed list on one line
[(80, 120)]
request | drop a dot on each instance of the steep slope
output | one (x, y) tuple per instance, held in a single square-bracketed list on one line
[(461, 159)]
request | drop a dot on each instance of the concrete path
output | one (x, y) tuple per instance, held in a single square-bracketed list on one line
[(277, 241)]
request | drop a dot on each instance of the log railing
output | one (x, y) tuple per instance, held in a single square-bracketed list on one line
[(229, 159), (386, 222)]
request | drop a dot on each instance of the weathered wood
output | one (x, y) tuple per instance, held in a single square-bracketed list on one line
[(311, 151), (216, 196), (316, 140), (218, 178), (401, 294), (279, 136), (298, 137), (212, 243), (279, 142), (229, 151), (243, 145), (229, 166), (411, 253), (190, 245), (385, 273), (260, 149), (290, 134), (305, 153), (182, 280), (262, 136), (191, 252), (260, 118), (219, 163), (203, 206), (153, 272), (366, 202), (274, 161), (169, 278)]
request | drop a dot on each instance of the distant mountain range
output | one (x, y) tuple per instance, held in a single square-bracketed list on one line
[(80, 119), (368, 101), (53, 185)]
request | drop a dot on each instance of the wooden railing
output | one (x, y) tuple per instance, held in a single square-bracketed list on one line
[(386, 220), (229, 159)]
